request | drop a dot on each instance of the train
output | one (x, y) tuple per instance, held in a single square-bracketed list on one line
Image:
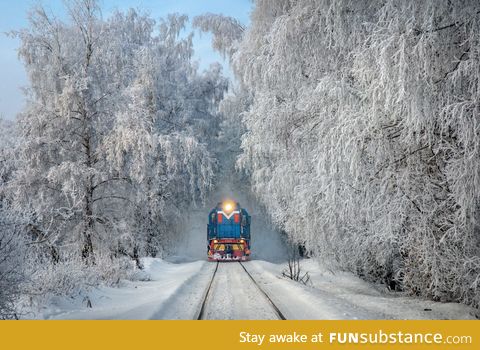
[(228, 232)]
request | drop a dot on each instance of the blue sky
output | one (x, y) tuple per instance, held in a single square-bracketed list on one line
[(13, 16)]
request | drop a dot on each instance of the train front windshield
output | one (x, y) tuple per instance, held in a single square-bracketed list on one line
[(226, 247)]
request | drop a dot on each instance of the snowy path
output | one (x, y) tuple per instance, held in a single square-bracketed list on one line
[(177, 291)]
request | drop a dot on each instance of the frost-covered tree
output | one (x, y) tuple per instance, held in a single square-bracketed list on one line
[(12, 253), (71, 109), (12, 245), (227, 34), (419, 76), (9, 140), (117, 131), (361, 135), (173, 111)]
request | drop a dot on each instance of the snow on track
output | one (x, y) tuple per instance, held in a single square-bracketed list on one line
[(235, 297), (280, 315), (186, 302), (200, 314)]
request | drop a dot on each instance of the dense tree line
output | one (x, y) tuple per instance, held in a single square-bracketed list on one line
[(362, 133), (117, 138)]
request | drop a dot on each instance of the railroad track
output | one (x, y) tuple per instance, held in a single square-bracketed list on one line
[(201, 313), (207, 295), (270, 301)]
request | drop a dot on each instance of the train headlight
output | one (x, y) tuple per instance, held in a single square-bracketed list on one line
[(228, 207), (215, 241), (242, 241)]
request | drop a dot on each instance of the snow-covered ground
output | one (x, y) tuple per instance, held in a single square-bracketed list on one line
[(176, 290), (341, 295), (155, 297)]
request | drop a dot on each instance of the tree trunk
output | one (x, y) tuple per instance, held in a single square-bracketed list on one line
[(87, 250)]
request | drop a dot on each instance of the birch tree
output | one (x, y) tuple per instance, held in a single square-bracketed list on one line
[(12, 246), (117, 131)]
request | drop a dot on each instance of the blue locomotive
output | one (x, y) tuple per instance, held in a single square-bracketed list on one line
[(228, 232)]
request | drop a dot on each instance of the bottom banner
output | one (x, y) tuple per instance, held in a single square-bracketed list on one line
[(240, 335)]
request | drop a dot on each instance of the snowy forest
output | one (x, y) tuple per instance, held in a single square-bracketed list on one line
[(356, 126)]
